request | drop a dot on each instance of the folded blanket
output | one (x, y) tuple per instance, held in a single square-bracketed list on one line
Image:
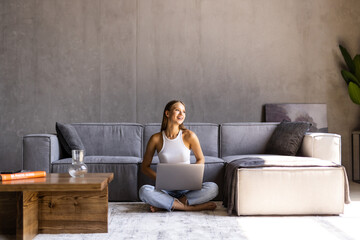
[(230, 182)]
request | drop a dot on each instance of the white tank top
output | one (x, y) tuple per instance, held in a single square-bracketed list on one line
[(174, 150)]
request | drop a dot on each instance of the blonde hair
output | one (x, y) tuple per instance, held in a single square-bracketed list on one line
[(165, 119)]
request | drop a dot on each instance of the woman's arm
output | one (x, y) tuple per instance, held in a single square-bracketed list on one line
[(149, 153), (196, 148)]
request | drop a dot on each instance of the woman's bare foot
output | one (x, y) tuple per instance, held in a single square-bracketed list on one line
[(178, 205), (155, 209)]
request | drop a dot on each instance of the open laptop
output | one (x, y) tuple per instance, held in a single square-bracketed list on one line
[(179, 176)]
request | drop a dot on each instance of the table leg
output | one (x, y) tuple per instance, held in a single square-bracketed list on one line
[(19, 214), (27, 215), (8, 212)]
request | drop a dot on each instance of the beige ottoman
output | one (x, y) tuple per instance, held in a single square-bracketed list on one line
[(290, 191)]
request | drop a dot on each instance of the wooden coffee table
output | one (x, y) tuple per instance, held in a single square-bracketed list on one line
[(55, 204)]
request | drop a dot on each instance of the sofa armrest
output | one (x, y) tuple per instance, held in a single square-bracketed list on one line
[(39, 151), (326, 146)]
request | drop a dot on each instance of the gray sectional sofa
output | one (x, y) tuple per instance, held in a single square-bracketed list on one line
[(119, 147)]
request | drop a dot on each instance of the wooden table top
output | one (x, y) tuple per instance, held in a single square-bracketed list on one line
[(59, 182)]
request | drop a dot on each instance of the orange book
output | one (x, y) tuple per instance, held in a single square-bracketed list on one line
[(22, 175)]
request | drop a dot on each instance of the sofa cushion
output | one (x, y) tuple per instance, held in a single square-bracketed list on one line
[(244, 138), (111, 139), (102, 160), (208, 134), (268, 157), (68, 137), (287, 138)]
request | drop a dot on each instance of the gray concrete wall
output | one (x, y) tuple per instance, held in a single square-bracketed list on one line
[(122, 60)]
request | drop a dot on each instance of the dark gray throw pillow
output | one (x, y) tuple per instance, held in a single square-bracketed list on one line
[(69, 138), (287, 138)]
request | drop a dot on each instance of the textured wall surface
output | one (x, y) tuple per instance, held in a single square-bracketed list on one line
[(122, 60)]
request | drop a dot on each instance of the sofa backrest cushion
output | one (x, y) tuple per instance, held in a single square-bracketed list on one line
[(245, 138), (111, 139), (208, 134)]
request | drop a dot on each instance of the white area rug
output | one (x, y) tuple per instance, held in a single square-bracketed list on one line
[(134, 221)]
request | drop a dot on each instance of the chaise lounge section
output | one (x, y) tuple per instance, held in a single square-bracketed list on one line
[(313, 183)]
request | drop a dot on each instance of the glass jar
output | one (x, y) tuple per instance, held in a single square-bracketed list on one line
[(78, 168)]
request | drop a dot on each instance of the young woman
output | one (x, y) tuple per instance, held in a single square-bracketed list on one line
[(173, 145)]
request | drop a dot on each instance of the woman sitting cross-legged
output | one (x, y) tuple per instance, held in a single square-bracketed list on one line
[(173, 144)]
